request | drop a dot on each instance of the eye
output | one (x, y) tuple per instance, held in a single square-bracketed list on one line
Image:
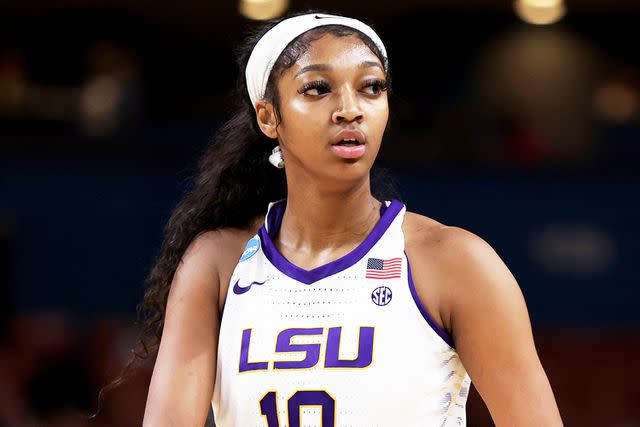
[(315, 88), (374, 86)]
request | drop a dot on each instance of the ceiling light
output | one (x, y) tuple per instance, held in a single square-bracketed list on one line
[(540, 12), (261, 10)]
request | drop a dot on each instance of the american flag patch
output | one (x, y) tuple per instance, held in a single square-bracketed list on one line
[(383, 268)]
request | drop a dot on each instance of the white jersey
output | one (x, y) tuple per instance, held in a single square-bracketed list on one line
[(345, 344)]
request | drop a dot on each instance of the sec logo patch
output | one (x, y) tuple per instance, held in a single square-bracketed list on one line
[(381, 296)]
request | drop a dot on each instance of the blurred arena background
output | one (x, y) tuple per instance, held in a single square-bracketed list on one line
[(518, 121)]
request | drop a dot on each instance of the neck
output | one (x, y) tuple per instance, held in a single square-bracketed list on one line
[(316, 220)]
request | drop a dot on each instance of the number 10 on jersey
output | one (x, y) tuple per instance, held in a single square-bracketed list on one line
[(327, 404)]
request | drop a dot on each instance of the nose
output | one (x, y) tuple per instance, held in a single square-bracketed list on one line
[(349, 109)]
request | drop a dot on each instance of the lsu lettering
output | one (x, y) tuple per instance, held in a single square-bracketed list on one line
[(312, 351)]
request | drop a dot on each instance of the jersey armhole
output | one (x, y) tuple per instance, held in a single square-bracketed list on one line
[(423, 310)]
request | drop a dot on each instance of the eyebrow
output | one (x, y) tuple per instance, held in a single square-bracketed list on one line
[(369, 64), (327, 67), (313, 67)]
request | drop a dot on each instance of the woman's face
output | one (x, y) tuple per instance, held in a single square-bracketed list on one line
[(333, 110)]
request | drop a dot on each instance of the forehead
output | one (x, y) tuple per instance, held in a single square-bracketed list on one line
[(337, 51)]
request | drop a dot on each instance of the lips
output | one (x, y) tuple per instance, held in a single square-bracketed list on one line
[(349, 144), (349, 137)]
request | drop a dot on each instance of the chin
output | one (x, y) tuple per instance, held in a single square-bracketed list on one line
[(348, 171)]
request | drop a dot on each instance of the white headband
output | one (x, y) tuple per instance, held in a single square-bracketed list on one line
[(270, 46)]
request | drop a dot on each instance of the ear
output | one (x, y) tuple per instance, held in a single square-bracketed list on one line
[(266, 116)]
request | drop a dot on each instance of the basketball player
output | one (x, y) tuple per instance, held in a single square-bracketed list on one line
[(332, 308)]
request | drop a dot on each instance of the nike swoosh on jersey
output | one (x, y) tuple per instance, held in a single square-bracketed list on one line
[(239, 290)]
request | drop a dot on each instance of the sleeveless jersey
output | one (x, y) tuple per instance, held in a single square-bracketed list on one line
[(346, 344)]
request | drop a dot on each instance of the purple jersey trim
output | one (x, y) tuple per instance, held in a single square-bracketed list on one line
[(423, 310), (274, 221)]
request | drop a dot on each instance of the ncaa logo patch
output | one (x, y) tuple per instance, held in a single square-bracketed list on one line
[(381, 296), (251, 249)]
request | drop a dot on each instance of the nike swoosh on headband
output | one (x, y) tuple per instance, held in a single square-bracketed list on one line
[(239, 290)]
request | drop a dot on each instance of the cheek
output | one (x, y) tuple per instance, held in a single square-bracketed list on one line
[(378, 118), (302, 120), (308, 111), (300, 126)]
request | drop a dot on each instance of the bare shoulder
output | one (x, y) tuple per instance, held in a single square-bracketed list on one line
[(451, 267), (214, 247), (449, 246), (211, 245), (209, 260), (422, 231)]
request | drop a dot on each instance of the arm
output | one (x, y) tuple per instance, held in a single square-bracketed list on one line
[(490, 325), (184, 373)]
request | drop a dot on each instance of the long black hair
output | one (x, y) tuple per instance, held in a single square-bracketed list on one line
[(233, 185)]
